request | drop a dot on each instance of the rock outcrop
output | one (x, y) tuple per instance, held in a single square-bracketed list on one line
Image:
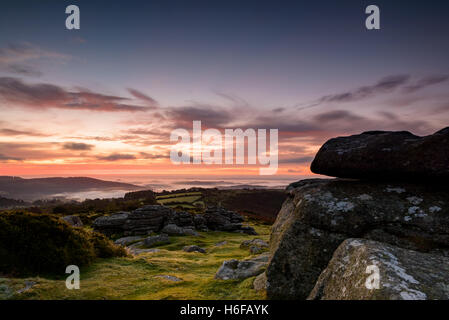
[(157, 218), (369, 270), (386, 155), (319, 215)]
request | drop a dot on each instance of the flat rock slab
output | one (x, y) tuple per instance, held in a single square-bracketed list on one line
[(403, 274), (385, 155), (128, 240), (169, 278), (158, 240)]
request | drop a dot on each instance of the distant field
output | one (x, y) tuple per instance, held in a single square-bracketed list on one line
[(186, 200), (137, 277), (175, 195)]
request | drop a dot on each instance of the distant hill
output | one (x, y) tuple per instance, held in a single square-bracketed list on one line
[(31, 189)]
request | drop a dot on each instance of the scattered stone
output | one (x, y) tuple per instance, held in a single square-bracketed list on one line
[(254, 242), (235, 269), (28, 286), (156, 240), (260, 283), (169, 278), (319, 215), (127, 240), (220, 244), (388, 155), (193, 248), (255, 250), (137, 251), (403, 274), (74, 221)]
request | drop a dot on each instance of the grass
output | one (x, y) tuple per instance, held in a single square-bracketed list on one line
[(135, 277), (187, 199)]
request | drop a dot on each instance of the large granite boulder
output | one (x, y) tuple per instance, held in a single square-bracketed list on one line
[(369, 270), (385, 155), (319, 214)]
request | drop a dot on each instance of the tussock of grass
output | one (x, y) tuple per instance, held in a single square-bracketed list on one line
[(135, 277)]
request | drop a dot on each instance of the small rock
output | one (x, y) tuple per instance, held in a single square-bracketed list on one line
[(127, 240), (169, 278), (28, 286), (255, 249), (254, 242), (136, 251), (220, 244), (74, 221), (235, 269), (260, 283), (193, 248)]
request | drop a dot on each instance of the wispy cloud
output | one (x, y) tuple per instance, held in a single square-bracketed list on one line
[(8, 158), (117, 157), (139, 95), (21, 58), (426, 82), (77, 146), (14, 132), (45, 95), (384, 85)]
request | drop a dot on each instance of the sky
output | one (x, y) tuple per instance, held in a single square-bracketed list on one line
[(104, 99)]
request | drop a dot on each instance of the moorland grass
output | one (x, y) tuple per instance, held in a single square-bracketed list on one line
[(136, 277)]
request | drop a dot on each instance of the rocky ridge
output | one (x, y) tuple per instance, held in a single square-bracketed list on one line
[(158, 218)]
